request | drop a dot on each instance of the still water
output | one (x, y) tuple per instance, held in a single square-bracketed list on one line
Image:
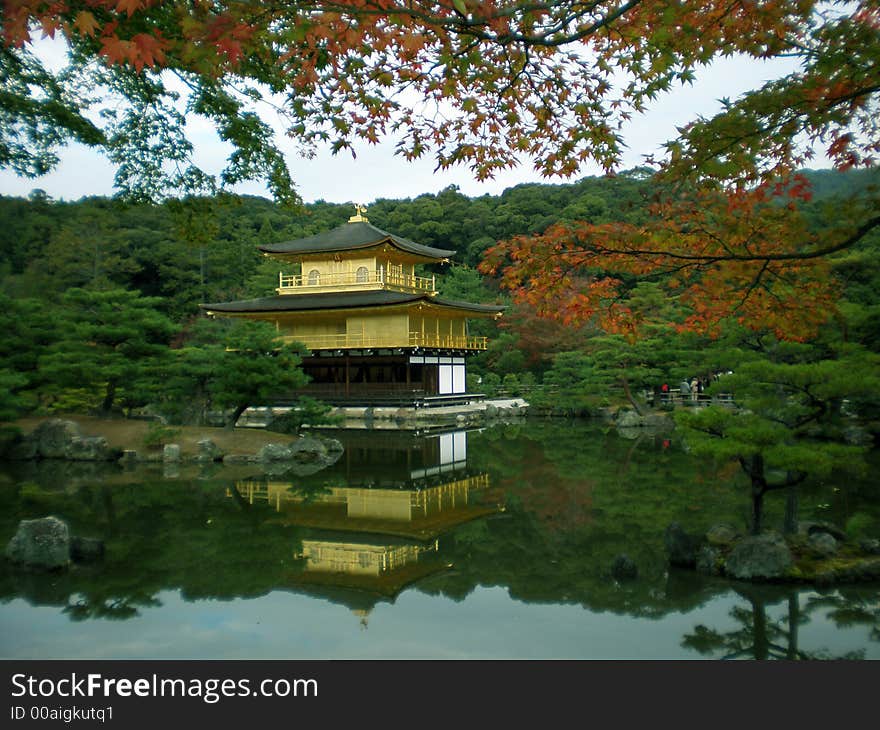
[(478, 544)]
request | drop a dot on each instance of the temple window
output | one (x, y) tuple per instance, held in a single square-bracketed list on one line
[(314, 277)]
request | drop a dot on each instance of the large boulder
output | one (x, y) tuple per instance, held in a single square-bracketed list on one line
[(629, 419), (40, 544), (275, 452), (870, 546), (307, 450), (171, 452), (61, 439), (53, 438), (808, 529), (759, 557), (624, 568), (822, 544), (208, 451), (722, 535), (334, 447), (89, 448), (680, 546), (708, 560)]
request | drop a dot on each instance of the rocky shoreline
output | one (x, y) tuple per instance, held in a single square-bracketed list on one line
[(818, 553), (61, 439)]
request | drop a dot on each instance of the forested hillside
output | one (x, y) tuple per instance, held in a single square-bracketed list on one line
[(147, 267)]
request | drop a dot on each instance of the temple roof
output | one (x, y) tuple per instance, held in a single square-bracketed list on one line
[(342, 300), (353, 236)]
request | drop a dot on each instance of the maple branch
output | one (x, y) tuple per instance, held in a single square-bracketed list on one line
[(550, 37), (697, 258), (754, 285)]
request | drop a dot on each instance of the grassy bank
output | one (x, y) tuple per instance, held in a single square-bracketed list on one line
[(124, 433)]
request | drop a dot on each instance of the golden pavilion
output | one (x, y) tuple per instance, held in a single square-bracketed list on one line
[(377, 333)]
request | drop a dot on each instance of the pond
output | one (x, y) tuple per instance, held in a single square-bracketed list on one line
[(491, 543)]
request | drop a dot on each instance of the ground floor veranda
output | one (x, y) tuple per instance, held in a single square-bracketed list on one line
[(386, 377)]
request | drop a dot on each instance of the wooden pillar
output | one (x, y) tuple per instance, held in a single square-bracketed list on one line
[(347, 375)]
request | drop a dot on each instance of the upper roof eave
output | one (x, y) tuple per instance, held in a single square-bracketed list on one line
[(341, 300), (351, 236)]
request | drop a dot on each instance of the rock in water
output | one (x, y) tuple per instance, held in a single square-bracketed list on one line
[(708, 560), (722, 535), (629, 419), (822, 544), (53, 437), (274, 452), (209, 451), (171, 452), (41, 544), (623, 568), (89, 448), (680, 546), (308, 450), (759, 557)]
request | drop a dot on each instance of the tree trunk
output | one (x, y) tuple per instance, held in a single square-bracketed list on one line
[(794, 618), (757, 510), (109, 397), (629, 396), (761, 647), (236, 415), (754, 467)]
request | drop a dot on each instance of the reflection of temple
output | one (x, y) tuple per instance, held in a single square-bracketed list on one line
[(419, 513), (361, 558), (412, 487), (374, 519)]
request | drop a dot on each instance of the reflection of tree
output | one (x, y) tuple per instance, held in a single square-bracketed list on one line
[(115, 609), (189, 536), (851, 607), (761, 637)]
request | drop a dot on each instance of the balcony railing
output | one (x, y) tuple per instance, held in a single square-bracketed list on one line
[(353, 281), (357, 341)]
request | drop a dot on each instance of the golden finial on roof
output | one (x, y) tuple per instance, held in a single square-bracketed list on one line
[(364, 614), (359, 216)]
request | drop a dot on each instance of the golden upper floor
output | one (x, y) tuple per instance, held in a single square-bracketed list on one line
[(356, 256)]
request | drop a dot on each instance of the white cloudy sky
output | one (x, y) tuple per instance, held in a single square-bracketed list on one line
[(378, 173)]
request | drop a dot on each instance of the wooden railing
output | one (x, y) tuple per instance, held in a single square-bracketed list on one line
[(352, 281), (359, 341)]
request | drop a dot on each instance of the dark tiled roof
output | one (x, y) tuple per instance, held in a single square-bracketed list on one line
[(353, 236), (340, 300), (493, 308)]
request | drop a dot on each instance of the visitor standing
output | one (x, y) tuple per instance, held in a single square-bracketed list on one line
[(684, 389)]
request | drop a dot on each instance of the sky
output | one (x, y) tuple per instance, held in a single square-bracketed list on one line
[(378, 173)]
